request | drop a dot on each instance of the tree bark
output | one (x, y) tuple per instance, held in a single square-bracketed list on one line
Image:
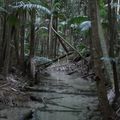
[(8, 41), (22, 37), (32, 41), (32, 36), (97, 55), (112, 40)]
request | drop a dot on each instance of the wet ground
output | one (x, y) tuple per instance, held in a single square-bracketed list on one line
[(58, 97)]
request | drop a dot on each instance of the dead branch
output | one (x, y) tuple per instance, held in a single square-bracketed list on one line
[(68, 43), (44, 65), (55, 110)]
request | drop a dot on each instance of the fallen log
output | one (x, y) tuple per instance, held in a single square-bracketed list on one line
[(44, 65), (61, 57)]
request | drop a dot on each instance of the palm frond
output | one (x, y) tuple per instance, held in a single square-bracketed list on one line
[(30, 6), (86, 25)]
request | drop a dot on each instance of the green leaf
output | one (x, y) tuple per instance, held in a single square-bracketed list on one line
[(29, 6)]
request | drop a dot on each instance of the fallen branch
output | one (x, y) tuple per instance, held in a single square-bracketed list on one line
[(55, 104), (44, 65), (45, 102), (54, 110), (88, 75), (70, 73), (68, 43), (61, 57), (4, 85), (87, 93), (118, 112)]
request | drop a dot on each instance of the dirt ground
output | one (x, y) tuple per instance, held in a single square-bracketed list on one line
[(57, 96)]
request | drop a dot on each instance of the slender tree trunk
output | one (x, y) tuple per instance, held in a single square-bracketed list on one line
[(8, 49), (32, 36), (1, 34), (16, 44), (4, 41), (55, 38), (50, 36), (32, 42), (48, 40), (113, 38), (22, 37)]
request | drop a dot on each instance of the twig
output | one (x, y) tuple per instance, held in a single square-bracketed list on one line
[(4, 85), (55, 104), (117, 112), (13, 89)]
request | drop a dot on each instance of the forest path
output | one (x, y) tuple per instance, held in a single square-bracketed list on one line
[(63, 97)]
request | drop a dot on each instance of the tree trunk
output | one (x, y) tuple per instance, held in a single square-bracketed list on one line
[(97, 54), (8, 41), (1, 34), (4, 41), (16, 34), (55, 26), (50, 36), (32, 36), (113, 38), (22, 37), (32, 41)]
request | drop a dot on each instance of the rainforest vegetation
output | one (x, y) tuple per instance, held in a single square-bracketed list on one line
[(59, 58)]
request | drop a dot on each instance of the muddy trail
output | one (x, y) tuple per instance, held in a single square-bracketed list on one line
[(59, 95)]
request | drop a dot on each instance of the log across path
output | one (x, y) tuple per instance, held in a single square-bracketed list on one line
[(57, 97)]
